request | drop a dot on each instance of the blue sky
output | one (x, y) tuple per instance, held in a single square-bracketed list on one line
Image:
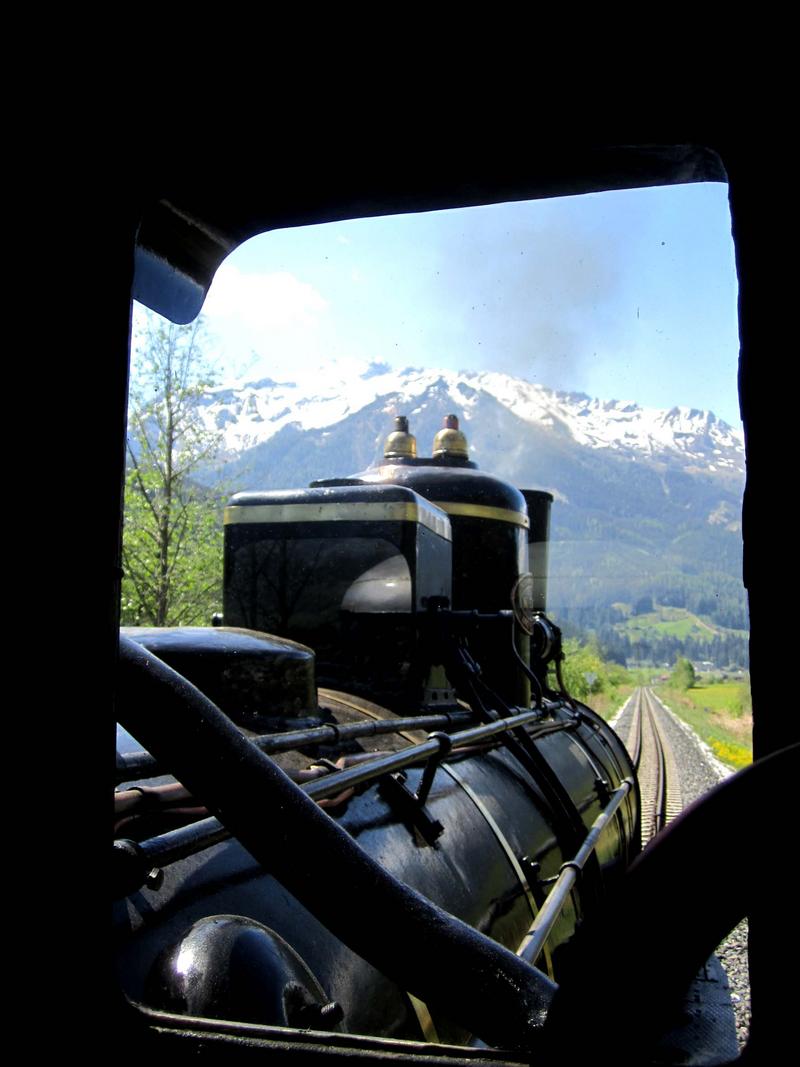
[(623, 295)]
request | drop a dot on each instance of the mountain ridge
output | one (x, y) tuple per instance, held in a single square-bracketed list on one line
[(647, 501), (248, 414)]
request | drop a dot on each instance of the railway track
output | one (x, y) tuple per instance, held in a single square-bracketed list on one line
[(672, 774), (656, 765)]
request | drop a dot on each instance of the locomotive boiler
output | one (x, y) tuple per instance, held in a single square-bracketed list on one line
[(416, 804)]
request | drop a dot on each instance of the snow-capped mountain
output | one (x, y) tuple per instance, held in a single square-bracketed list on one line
[(249, 414), (647, 502)]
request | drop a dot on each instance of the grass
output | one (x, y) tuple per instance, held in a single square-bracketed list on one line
[(720, 697), (720, 714), (606, 704), (671, 622)]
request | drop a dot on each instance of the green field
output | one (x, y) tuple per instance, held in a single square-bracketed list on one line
[(672, 622), (730, 697), (720, 713)]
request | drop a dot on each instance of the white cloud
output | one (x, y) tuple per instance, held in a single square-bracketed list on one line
[(263, 301)]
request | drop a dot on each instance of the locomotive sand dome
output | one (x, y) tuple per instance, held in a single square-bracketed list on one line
[(385, 643)]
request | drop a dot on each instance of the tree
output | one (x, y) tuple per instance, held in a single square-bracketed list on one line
[(644, 605), (683, 676), (583, 670), (172, 534)]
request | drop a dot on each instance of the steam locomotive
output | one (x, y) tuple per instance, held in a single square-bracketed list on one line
[(417, 804)]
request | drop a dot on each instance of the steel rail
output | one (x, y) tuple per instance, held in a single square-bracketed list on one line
[(651, 759), (673, 794), (188, 840), (549, 912), (660, 799), (636, 732)]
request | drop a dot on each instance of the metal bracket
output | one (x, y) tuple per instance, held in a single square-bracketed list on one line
[(537, 885), (411, 806), (602, 790), (445, 745)]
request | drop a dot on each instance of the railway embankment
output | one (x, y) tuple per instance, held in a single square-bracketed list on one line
[(698, 770), (720, 713)]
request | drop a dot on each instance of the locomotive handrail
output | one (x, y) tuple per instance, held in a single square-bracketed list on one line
[(167, 848), (551, 909)]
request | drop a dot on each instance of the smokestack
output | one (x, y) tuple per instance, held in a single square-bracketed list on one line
[(538, 502)]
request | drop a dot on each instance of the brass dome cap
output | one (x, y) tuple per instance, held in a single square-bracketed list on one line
[(400, 443), (450, 442)]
